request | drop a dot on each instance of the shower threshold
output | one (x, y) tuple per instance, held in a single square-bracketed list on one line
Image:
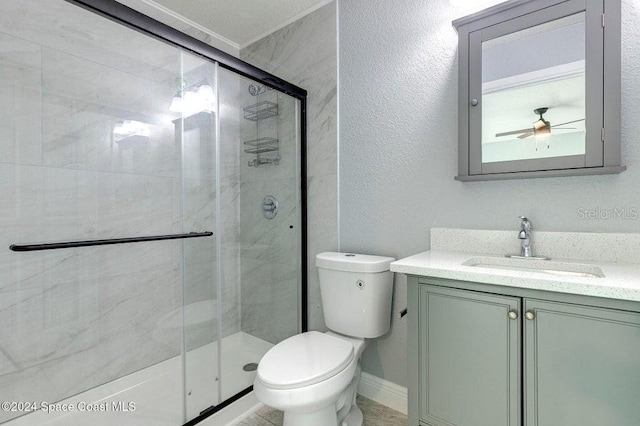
[(156, 391)]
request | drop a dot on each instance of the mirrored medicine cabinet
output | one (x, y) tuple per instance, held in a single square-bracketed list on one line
[(539, 90)]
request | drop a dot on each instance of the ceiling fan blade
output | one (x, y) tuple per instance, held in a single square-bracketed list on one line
[(525, 135), (568, 122), (515, 132), (565, 128)]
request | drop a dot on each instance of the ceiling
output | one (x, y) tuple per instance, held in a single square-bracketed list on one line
[(241, 21)]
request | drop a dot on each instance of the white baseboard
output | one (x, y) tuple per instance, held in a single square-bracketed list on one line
[(383, 391)]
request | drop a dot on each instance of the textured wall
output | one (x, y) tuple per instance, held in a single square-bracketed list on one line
[(398, 149), (304, 53)]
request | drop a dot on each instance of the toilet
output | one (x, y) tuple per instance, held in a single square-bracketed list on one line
[(313, 377)]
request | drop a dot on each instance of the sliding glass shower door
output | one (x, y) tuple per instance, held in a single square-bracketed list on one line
[(241, 177), (196, 128), (260, 226), (153, 201), (88, 154)]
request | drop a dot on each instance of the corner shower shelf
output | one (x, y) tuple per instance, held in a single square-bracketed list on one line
[(260, 111), (261, 146), (262, 161)]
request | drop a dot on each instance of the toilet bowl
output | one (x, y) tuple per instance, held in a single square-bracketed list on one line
[(308, 376), (313, 377)]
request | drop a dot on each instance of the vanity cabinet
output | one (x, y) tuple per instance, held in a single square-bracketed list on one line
[(469, 357), (521, 357), (581, 365)]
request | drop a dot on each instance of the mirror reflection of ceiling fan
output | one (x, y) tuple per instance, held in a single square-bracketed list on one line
[(541, 127)]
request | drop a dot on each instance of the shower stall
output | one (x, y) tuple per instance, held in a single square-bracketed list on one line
[(152, 218)]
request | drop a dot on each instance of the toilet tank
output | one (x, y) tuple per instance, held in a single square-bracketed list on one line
[(356, 292)]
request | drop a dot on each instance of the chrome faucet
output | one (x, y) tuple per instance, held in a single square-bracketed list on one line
[(525, 237)]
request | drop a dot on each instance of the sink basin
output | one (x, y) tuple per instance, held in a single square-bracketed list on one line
[(566, 269)]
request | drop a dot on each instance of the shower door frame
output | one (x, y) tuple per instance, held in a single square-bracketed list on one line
[(140, 22)]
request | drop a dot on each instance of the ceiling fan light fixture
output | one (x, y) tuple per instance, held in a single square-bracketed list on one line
[(542, 125), (542, 132), (542, 128)]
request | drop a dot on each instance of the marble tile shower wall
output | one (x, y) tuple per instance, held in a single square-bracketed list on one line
[(271, 247), (305, 54), (76, 318)]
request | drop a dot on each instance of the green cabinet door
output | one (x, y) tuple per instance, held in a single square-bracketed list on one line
[(582, 365), (468, 358)]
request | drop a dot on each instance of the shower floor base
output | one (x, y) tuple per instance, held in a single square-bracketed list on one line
[(157, 391)]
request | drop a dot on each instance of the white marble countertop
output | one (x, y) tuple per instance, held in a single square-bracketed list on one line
[(621, 281)]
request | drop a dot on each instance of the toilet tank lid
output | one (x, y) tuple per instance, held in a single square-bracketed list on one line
[(351, 262)]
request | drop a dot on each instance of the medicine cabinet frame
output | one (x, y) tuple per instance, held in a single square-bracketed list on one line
[(603, 88)]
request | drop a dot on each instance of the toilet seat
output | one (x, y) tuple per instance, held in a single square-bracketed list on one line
[(303, 360)]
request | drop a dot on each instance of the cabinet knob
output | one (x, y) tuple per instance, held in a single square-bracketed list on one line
[(530, 315), (474, 102), (513, 315)]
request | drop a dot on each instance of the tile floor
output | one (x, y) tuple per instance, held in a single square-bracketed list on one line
[(374, 415)]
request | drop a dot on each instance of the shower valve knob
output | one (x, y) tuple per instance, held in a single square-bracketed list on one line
[(269, 207)]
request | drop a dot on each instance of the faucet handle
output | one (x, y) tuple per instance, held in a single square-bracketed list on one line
[(525, 228)]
